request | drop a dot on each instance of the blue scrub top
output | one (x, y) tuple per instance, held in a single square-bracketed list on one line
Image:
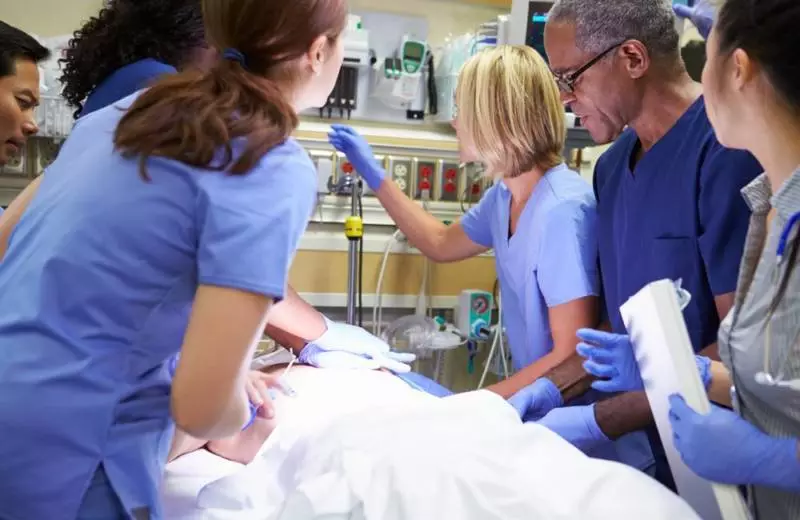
[(95, 294), (678, 214), (550, 260), (125, 81)]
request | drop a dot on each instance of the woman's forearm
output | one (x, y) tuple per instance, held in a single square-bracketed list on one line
[(720, 389), (527, 375), (293, 322), (423, 230)]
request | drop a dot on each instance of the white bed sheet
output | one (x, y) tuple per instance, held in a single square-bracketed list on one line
[(372, 450), (185, 477)]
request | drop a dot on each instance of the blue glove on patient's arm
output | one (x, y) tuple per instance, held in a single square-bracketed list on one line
[(537, 399), (351, 347), (359, 153), (701, 15), (577, 425), (610, 357), (723, 447)]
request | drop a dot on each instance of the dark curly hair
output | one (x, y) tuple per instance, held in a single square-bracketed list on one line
[(126, 31)]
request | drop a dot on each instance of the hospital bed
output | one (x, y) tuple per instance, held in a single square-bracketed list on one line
[(399, 454)]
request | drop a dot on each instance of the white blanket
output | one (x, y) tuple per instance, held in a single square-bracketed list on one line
[(466, 457)]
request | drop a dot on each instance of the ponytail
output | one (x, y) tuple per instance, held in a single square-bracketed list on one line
[(193, 117)]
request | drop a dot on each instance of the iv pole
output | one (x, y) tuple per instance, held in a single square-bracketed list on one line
[(354, 231)]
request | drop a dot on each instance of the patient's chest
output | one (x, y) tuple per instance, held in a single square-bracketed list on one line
[(324, 394)]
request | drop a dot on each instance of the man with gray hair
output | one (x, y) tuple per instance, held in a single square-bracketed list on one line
[(668, 200)]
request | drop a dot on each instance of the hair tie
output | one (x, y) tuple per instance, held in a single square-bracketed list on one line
[(234, 55)]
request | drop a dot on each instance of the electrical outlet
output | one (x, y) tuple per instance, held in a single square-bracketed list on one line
[(425, 173), (17, 163), (400, 170), (448, 181), (475, 191), (323, 163)]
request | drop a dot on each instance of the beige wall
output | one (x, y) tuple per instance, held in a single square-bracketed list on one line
[(57, 17), (48, 17)]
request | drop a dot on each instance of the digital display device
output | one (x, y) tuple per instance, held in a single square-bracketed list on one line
[(534, 33)]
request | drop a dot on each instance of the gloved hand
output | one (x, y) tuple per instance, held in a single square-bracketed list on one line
[(577, 425), (348, 346), (537, 399), (723, 447), (701, 15), (359, 153), (704, 367), (610, 356)]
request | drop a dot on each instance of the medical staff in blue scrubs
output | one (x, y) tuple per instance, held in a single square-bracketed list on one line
[(128, 46), (20, 55), (167, 223), (539, 217), (668, 193)]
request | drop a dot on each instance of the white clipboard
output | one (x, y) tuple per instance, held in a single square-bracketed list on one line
[(666, 361)]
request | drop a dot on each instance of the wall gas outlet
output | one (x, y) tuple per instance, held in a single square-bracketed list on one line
[(17, 164), (449, 181), (425, 178), (46, 152), (401, 171)]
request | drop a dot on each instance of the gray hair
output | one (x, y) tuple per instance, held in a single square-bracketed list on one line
[(600, 24)]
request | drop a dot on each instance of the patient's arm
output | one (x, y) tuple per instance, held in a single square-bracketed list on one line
[(241, 447), (570, 378), (616, 416), (183, 443), (244, 446), (622, 414)]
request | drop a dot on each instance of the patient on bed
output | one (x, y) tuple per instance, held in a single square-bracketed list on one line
[(320, 395)]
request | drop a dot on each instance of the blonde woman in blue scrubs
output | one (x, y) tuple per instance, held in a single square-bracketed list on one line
[(540, 218)]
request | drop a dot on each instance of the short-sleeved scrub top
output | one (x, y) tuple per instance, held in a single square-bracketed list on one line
[(677, 213), (95, 295)]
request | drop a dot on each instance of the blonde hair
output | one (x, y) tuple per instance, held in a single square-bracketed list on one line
[(509, 107)]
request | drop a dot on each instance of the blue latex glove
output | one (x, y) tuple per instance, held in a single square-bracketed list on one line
[(577, 425), (701, 15), (610, 357), (348, 346), (359, 153), (704, 367), (723, 447), (536, 400)]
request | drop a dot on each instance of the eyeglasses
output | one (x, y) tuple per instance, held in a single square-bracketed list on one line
[(566, 81)]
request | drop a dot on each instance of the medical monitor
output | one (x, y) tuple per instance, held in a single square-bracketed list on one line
[(527, 23)]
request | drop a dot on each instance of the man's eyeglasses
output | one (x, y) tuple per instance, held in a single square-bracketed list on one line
[(566, 81)]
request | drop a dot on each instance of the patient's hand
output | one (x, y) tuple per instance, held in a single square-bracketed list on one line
[(258, 388)]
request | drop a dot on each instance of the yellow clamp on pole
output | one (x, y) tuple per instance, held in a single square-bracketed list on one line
[(353, 227)]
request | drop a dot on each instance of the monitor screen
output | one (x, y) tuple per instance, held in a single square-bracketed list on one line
[(412, 51), (534, 33)]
